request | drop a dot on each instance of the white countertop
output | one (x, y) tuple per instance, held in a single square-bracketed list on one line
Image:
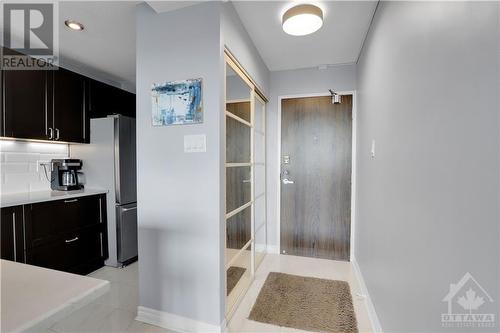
[(16, 199), (33, 297)]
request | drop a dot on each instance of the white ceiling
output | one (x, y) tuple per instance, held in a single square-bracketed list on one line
[(166, 6), (339, 41), (106, 46)]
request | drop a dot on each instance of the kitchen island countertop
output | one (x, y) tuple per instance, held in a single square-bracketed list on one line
[(33, 297)]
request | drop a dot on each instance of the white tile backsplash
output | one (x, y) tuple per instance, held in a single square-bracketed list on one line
[(19, 165)]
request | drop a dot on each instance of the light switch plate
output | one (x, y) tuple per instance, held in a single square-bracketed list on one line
[(195, 143)]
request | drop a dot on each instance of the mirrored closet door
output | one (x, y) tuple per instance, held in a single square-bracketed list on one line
[(246, 227)]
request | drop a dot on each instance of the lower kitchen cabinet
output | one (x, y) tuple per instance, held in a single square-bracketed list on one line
[(12, 234), (65, 216), (78, 252), (67, 235)]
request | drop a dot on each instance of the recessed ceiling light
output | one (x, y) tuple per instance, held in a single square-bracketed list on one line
[(73, 25), (302, 20)]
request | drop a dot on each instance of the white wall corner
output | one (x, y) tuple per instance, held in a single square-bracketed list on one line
[(377, 328), (175, 322), (273, 249)]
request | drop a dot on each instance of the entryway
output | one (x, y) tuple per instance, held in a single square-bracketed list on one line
[(315, 180), (310, 267)]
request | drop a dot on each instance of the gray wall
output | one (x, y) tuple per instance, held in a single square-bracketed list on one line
[(237, 40), (428, 203), (292, 82), (179, 194)]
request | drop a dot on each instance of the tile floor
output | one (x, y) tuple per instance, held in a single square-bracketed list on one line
[(320, 268), (115, 311)]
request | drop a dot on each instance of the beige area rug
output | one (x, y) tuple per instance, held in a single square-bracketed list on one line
[(234, 274), (305, 303)]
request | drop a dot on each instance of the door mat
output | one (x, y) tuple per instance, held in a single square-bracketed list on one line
[(305, 303), (234, 274)]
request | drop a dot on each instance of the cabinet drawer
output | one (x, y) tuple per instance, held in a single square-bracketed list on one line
[(48, 221), (71, 253)]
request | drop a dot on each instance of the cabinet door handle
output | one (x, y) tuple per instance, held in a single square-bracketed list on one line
[(69, 201), (14, 234), (57, 133), (71, 240), (51, 133)]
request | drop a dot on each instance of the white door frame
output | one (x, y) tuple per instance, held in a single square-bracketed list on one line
[(353, 165)]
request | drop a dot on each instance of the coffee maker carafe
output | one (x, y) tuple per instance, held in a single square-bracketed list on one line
[(65, 175)]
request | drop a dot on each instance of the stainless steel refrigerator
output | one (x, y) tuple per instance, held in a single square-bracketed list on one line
[(109, 162)]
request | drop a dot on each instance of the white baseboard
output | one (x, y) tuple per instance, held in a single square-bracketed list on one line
[(175, 322), (273, 249), (377, 328)]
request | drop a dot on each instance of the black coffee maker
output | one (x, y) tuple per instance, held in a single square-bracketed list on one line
[(64, 175)]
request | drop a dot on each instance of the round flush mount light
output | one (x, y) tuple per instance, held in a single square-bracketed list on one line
[(302, 20), (73, 25)]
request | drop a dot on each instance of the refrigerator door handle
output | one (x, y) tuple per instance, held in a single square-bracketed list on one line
[(127, 209)]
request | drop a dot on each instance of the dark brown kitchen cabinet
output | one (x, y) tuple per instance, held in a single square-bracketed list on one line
[(106, 100), (68, 235), (45, 105), (56, 105), (24, 103), (12, 234), (70, 106), (77, 252), (65, 216)]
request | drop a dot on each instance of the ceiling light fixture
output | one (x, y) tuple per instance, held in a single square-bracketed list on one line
[(73, 25), (302, 20)]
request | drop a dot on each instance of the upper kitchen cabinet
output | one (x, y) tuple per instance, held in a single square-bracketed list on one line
[(45, 105), (56, 105), (70, 107), (107, 100), (24, 104)]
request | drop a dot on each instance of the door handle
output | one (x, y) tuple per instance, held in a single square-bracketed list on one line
[(71, 240), (57, 133), (72, 200), (127, 209), (286, 181), (51, 133)]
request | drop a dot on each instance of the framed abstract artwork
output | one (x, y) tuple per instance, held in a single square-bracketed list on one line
[(177, 103)]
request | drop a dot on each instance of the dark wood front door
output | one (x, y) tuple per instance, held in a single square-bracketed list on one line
[(316, 149)]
